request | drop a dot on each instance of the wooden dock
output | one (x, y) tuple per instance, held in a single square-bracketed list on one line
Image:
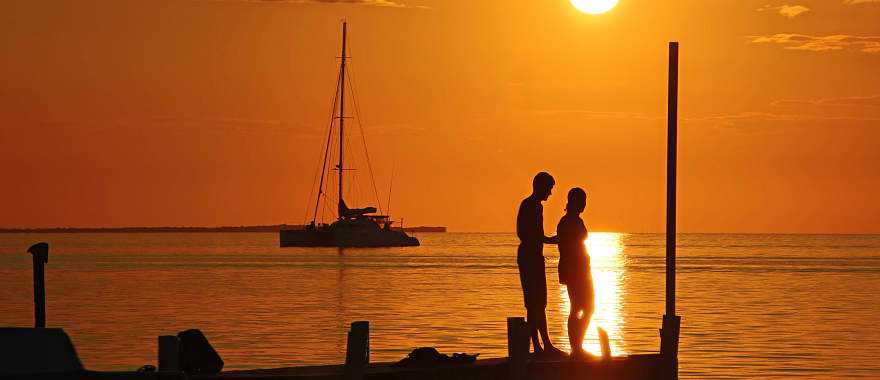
[(519, 365), (646, 366)]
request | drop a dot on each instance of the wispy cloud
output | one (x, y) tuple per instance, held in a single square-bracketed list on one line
[(851, 2), (376, 3), (790, 11), (770, 116), (595, 115), (861, 101), (792, 41)]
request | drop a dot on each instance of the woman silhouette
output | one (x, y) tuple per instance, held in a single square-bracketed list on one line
[(574, 270)]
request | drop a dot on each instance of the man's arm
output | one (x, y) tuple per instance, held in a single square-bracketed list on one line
[(551, 239)]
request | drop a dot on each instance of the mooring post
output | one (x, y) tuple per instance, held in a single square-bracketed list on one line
[(40, 252), (169, 353), (357, 351), (671, 323), (517, 347)]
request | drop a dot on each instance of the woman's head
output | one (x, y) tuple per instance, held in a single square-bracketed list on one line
[(577, 200)]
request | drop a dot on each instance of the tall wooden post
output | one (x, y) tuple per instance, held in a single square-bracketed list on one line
[(671, 166), (40, 252), (671, 323)]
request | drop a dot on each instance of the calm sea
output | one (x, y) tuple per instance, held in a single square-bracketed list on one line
[(752, 305)]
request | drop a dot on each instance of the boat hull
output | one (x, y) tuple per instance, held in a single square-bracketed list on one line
[(346, 235)]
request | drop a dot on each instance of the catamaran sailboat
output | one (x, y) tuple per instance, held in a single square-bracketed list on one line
[(354, 227)]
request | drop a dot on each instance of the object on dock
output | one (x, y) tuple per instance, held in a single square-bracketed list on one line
[(48, 353), (357, 351), (517, 347), (425, 357), (197, 356), (40, 252), (169, 353), (669, 333), (37, 351)]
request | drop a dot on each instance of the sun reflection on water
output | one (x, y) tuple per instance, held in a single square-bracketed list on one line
[(606, 265)]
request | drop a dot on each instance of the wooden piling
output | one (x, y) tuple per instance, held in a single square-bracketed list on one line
[(357, 352), (517, 347), (40, 252), (669, 334), (671, 175), (169, 353)]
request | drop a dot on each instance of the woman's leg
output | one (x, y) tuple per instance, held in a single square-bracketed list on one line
[(583, 323), (573, 330), (587, 306), (574, 321)]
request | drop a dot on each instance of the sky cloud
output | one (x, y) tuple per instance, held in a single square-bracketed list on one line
[(378, 3), (792, 41), (861, 101), (851, 2), (375, 3), (744, 118), (790, 11)]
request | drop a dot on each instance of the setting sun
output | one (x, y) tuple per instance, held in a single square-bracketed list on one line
[(594, 6)]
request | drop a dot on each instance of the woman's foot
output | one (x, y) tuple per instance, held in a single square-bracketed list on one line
[(581, 355)]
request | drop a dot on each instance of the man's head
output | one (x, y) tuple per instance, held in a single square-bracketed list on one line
[(542, 185)]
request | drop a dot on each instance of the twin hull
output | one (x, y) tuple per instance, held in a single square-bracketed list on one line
[(346, 235)]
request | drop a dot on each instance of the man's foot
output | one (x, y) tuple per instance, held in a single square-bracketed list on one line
[(551, 351)]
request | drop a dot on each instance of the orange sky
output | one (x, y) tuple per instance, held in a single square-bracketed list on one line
[(188, 112)]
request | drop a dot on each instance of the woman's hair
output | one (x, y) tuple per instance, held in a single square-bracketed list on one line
[(577, 198)]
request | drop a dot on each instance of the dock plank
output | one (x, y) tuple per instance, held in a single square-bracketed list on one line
[(641, 367)]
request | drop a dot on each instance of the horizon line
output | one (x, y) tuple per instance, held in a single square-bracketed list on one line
[(267, 228)]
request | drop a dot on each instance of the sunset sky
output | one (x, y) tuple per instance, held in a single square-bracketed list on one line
[(205, 113)]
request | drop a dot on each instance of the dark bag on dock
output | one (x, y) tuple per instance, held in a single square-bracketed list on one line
[(197, 355), (430, 357)]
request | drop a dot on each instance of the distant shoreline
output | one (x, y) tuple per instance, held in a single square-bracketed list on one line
[(268, 228)]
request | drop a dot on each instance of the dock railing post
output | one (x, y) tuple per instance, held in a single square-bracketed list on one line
[(517, 347), (357, 351), (40, 252), (169, 353), (669, 334)]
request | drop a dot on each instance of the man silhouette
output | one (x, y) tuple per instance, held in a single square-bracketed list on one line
[(530, 260)]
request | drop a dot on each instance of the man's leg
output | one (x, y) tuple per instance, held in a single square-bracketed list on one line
[(531, 320), (539, 288), (545, 335), (525, 279)]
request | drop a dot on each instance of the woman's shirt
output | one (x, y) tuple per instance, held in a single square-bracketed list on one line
[(574, 264)]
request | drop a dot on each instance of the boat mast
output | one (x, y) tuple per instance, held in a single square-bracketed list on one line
[(341, 116)]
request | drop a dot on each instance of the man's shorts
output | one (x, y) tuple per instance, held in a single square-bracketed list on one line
[(533, 279)]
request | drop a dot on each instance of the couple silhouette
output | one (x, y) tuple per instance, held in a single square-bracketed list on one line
[(574, 265)]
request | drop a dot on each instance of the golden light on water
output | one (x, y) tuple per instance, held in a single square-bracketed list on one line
[(606, 264), (594, 7)]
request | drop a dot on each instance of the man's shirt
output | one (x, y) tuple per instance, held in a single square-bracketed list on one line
[(530, 227)]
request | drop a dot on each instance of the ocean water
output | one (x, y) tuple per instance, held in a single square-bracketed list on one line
[(752, 306)]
